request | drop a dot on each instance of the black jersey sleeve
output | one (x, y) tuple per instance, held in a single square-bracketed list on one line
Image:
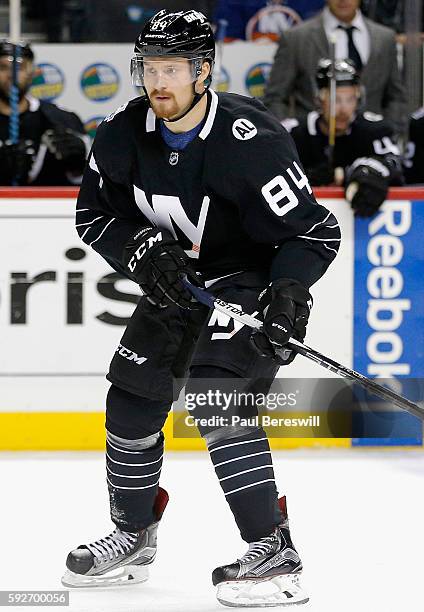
[(276, 204), (413, 161), (58, 117), (106, 213), (378, 142)]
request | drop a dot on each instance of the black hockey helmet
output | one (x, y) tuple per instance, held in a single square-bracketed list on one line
[(7, 48), (345, 73), (186, 34)]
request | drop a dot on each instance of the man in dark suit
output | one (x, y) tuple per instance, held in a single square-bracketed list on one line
[(371, 46)]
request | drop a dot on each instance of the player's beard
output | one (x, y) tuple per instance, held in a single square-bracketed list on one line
[(166, 109), (343, 125)]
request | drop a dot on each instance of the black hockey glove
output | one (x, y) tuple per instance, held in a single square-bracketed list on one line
[(155, 260), (366, 185), (16, 161), (286, 305), (66, 146), (321, 174)]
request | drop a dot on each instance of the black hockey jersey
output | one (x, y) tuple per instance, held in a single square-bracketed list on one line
[(231, 197), (414, 155), (369, 136), (39, 117)]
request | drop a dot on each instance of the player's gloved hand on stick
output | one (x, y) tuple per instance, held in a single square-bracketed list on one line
[(67, 146), (286, 305), (16, 161), (156, 261), (366, 186)]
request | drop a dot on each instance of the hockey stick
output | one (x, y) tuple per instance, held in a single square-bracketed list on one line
[(15, 33), (209, 300)]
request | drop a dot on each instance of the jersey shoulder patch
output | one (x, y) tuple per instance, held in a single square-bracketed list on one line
[(244, 129), (374, 117), (244, 118)]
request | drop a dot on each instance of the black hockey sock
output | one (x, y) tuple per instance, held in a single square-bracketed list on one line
[(133, 473), (244, 468)]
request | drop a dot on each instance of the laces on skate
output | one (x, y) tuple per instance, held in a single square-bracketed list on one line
[(264, 546), (112, 545)]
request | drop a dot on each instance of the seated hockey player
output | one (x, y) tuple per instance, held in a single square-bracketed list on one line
[(365, 158), (184, 181), (51, 144), (413, 161)]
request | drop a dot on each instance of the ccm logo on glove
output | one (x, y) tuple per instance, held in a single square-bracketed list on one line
[(157, 262), (141, 250)]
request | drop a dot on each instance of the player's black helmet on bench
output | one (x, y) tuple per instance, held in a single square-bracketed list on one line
[(186, 34), (7, 48), (345, 73)]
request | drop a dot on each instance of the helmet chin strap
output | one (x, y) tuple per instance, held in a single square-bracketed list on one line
[(196, 99)]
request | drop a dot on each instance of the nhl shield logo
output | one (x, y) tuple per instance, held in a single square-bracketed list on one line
[(173, 158)]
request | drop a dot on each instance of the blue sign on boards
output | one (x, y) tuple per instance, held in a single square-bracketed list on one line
[(389, 309)]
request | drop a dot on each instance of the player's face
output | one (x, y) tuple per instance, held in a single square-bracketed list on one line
[(346, 105), (344, 10), (169, 85), (25, 71)]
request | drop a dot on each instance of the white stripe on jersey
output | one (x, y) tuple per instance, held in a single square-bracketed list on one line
[(206, 130), (102, 232)]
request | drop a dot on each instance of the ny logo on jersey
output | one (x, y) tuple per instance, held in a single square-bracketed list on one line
[(164, 211), (223, 320)]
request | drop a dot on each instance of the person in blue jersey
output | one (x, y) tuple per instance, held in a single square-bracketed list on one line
[(184, 182)]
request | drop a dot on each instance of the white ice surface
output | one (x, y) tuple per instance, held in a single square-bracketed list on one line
[(356, 519)]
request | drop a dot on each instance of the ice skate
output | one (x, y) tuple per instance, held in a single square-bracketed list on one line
[(267, 575), (119, 558)]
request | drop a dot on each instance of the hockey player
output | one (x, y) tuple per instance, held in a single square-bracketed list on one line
[(413, 162), (365, 156), (51, 149), (183, 181)]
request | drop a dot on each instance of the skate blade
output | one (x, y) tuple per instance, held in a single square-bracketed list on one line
[(266, 593), (129, 574)]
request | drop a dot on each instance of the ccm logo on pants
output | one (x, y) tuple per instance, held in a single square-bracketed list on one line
[(130, 355)]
